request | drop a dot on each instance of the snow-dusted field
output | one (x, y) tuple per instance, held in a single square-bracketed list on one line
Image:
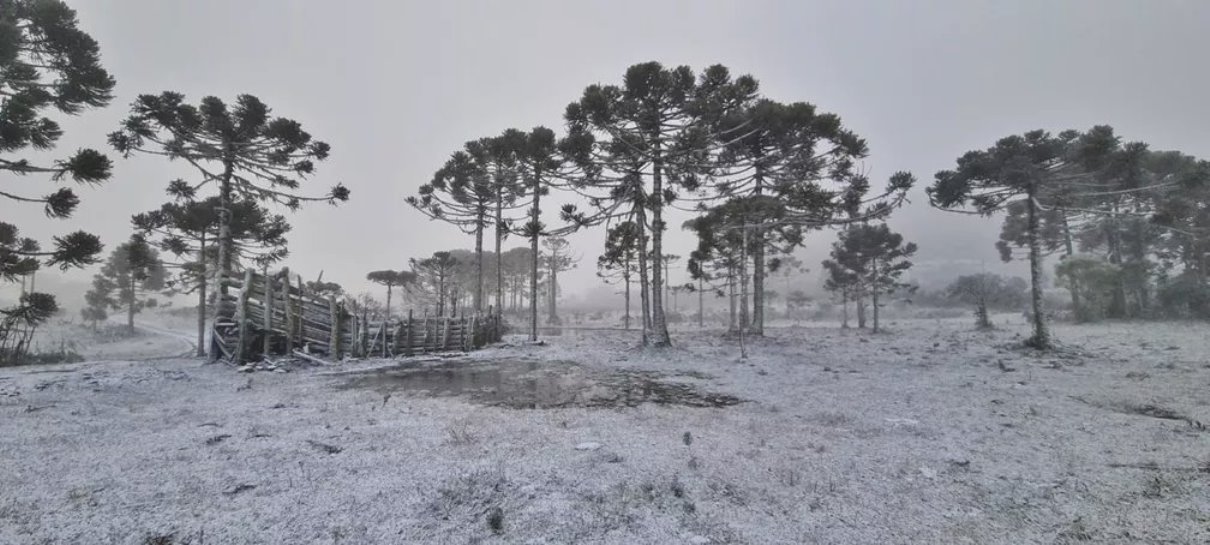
[(930, 433)]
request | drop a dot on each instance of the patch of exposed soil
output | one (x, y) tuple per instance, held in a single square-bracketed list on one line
[(539, 385)]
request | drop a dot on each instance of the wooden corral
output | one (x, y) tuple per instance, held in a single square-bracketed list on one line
[(303, 323)]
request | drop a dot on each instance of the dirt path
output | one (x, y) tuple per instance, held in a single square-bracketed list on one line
[(187, 338)]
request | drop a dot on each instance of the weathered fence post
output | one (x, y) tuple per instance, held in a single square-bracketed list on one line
[(396, 338), (334, 336), (268, 318), (289, 305), (242, 312), (407, 348), (386, 322), (360, 332), (445, 336), (473, 331), (424, 345), (302, 312)]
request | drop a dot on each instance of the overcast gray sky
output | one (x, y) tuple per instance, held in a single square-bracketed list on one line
[(395, 86)]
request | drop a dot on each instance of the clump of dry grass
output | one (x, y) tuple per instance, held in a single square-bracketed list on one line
[(459, 433), (474, 493)]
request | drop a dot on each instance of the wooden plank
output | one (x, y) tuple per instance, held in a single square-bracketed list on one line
[(268, 320), (424, 343), (242, 320), (334, 343), (289, 310), (299, 307), (408, 341)]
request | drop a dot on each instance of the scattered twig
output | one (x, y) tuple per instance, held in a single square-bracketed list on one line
[(217, 439), (330, 449), (243, 487)]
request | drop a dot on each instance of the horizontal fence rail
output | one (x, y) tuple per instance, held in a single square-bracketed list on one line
[(266, 315)]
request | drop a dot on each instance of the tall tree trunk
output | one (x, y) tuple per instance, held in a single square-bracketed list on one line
[(552, 312), (644, 279), (224, 249), (874, 290), (744, 321), (535, 234), (478, 301), (130, 304), (731, 327), (659, 323), (758, 261), (201, 295), (626, 280), (1041, 337), (388, 309), (499, 255), (860, 304), (744, 316)]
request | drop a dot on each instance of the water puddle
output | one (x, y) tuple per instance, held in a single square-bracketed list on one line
[(538, 385)]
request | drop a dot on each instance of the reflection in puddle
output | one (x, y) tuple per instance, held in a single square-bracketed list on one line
[(535, 385)]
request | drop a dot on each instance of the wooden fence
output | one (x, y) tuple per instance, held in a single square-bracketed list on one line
[(301, 322)]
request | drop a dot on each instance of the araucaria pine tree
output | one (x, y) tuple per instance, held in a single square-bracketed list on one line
[(46, 63), (540, 162), (188, 229), (475, 190), (1043, 180), (782, 155), (557, 258), (241, 152), (435, 279), (98, 300), (870, 259), (640, 144), (619, 261), (133, 270), (391, 279), (725, 248), (987, 291)]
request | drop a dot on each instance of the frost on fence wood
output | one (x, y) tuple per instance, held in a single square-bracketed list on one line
[(298, 321)]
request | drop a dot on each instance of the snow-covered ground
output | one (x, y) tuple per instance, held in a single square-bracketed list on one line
[(155, 336), (929, 433)]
